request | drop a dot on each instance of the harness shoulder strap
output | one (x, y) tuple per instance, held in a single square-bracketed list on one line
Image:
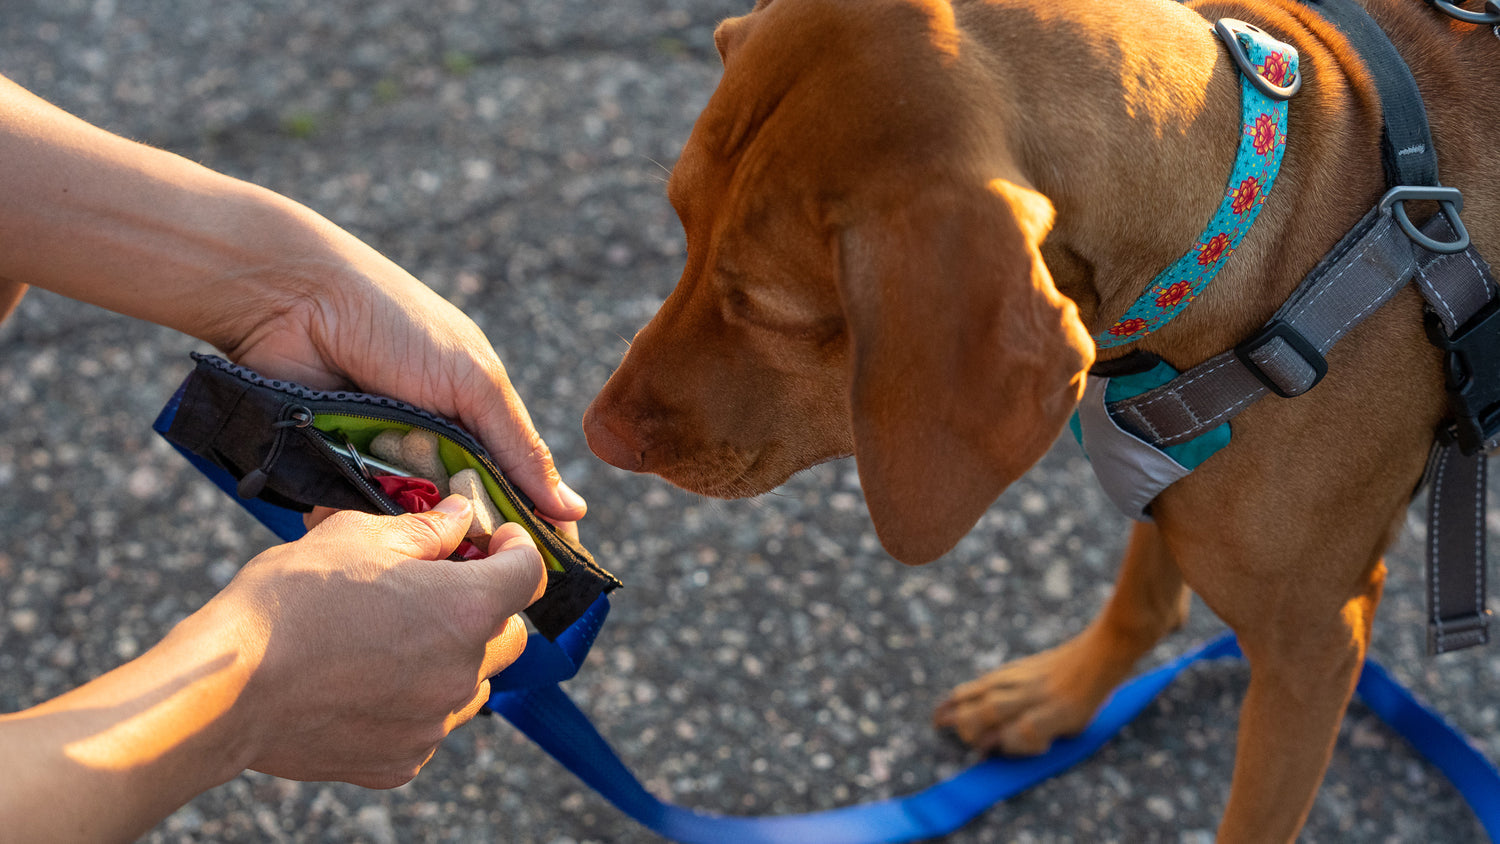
[(1363, 271)]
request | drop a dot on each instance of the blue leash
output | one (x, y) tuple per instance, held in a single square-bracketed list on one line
[(528, 695)]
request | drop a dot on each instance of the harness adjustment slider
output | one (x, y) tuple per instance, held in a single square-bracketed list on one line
[(1452, 634), (1282, 359), (1473, 386)]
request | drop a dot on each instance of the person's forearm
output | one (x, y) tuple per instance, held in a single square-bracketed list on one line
[(109, 760), (144, 232)]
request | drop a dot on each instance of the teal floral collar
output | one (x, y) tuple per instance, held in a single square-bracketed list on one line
[(1268, 78)]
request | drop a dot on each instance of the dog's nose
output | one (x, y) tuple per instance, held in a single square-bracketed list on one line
[(610, 437)]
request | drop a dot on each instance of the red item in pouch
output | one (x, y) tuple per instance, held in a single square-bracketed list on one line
[(418, 495)]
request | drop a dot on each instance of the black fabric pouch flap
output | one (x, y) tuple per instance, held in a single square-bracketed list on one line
[(283, 448)]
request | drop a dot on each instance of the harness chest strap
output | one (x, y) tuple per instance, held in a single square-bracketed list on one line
[(1362, 272), (1374, 261)]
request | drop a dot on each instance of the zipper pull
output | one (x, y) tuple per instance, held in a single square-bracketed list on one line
[(292, 416)]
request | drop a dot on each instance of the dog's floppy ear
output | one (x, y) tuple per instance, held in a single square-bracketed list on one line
[(966, 359)]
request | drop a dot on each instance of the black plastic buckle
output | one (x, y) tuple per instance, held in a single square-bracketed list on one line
[(1472, 366), (1228, 30), (1449, 200), (1278, 330)]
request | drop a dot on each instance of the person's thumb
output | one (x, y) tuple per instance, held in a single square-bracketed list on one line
[(435, 534), (514, 569)]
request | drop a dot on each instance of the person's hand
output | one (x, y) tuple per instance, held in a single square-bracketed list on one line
[(346, 655), (372, 326), (273, 284), (369, 646)]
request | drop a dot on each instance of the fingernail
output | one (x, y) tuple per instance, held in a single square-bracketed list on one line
[(453, 505), (569, 497)]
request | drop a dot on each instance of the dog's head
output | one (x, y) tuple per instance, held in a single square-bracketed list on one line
[(862, 277)]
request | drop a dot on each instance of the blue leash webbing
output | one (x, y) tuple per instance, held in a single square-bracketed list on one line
[(528, 694), (546, 715)]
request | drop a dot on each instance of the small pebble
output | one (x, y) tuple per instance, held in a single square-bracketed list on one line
[(24, 621)]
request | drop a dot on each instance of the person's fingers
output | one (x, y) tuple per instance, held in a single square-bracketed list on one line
[(463, 716), (432, 535), (517, 567), (505, 648), (506, 429), (313, 519), (518, 576)]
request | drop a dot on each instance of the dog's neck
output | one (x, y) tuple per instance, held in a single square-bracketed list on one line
[(1106, 103)]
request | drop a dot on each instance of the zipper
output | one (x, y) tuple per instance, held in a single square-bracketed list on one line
[(554, 544), (372, 490), (300, 418), (384, 409)]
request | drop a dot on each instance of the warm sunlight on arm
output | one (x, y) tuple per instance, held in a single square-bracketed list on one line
[(110, 759)]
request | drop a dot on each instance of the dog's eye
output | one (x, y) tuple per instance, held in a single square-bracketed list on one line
[(779, 317), (739, 304)]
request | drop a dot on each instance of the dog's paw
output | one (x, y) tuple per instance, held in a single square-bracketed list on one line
[(1020, 708)]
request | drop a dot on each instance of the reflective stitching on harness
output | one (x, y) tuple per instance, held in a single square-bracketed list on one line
[(1417, 149), (1370, 240), (1428, 286), (1199, 425), (1479, 490), (1190, 380), (1145, 423), (1361, 315), (1432, 540), (1229, 411), (1474, 263), (1181, 402)]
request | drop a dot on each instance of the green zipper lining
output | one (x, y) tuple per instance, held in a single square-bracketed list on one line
[(361, 430)]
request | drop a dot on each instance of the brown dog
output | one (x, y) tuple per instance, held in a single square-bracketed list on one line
[(905, 218)]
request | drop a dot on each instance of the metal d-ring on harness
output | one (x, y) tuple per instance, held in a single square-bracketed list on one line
[(1489, 17), (1365, 269)]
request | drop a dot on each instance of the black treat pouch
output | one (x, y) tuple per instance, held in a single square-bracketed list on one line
[(283, 448)]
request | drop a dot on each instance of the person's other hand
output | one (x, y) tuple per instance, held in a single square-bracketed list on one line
[(373, 326), (367, 647)]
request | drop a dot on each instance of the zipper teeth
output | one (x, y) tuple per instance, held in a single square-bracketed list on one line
[(311, 395), (335, 404), (554, 545), (375, 493)]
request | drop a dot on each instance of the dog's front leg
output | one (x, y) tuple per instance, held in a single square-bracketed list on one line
[(1020, 708), (1304, 664)]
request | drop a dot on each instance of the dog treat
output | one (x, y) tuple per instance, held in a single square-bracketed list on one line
[(419, 455), (387, 446), (487, 519)]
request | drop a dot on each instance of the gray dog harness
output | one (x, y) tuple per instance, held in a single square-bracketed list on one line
[(1144, 425)]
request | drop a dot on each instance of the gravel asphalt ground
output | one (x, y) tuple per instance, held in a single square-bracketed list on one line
[(766, 656)]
